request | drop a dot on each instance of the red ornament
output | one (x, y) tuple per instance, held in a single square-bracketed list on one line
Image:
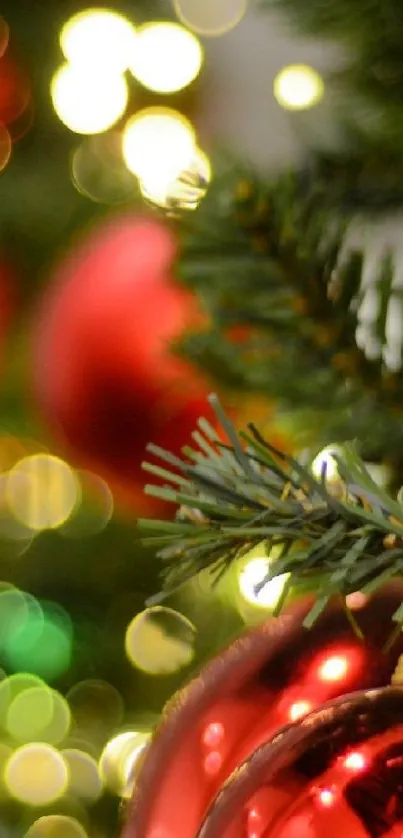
[(106, 378), (216, 743), (15, 90)]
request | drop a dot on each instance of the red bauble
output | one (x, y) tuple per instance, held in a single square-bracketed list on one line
[(203, 773), (105, 375)]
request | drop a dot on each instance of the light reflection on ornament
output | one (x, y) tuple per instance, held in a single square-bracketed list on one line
[(334, 668), (212, 763), (254, 823), (167, 57), (298, 87), (355, 761), (299, 709), (36, 774), (326, 797), (158, 144), (210, 18), (88, 101), (98, 38), (213, 734)]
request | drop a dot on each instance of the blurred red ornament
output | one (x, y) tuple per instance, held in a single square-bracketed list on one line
[(106, 378), (231, 716), (14, 90)]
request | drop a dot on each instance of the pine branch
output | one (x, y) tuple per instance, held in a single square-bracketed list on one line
[(335, 538), (271, 258)]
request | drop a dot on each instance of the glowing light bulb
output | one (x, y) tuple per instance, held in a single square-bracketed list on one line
[(185, 191), (299, 709), (210, 17), (98, 38), (167, 57), (334, 668), (42, 491), (298, 87), (326, 458), (250, 584), (212, 763), (355, 761), (88, 101), (36, 774), (158, 144)]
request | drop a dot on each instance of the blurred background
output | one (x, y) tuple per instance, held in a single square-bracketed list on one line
[(106, 116)]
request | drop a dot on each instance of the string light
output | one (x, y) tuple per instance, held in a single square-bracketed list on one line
[(158, 144), (167, 57), (160, 641), (36, 774), (298, 87), (184, 191), (88, 101), (251, 578), (99, 39), (326, 459)]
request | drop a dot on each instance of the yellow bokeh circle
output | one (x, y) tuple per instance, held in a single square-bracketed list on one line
[(98, 38), (42, 491), (36, 774), (158, 144), (298, 87), (167, 57), (56, 826), (88, 101)]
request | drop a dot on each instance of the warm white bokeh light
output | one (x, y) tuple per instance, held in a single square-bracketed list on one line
[(183, 192), (36, 774), (42, 491), (167, 57), (120, 758), (160, 641), (298, 87), (210, 17), (98, 38), (84, 779), (326, 458), (158, 144), (250, 583), (87, 100), (56, 826)]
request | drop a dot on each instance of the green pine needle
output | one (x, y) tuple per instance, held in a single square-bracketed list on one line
[(336, 537)]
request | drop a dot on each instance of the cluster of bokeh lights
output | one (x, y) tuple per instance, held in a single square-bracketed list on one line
[(92, 92)]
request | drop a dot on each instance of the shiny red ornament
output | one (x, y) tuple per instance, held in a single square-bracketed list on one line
[(227, 763), (105, 376)]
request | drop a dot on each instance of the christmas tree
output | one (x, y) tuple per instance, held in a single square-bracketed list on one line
[(131, 287)]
